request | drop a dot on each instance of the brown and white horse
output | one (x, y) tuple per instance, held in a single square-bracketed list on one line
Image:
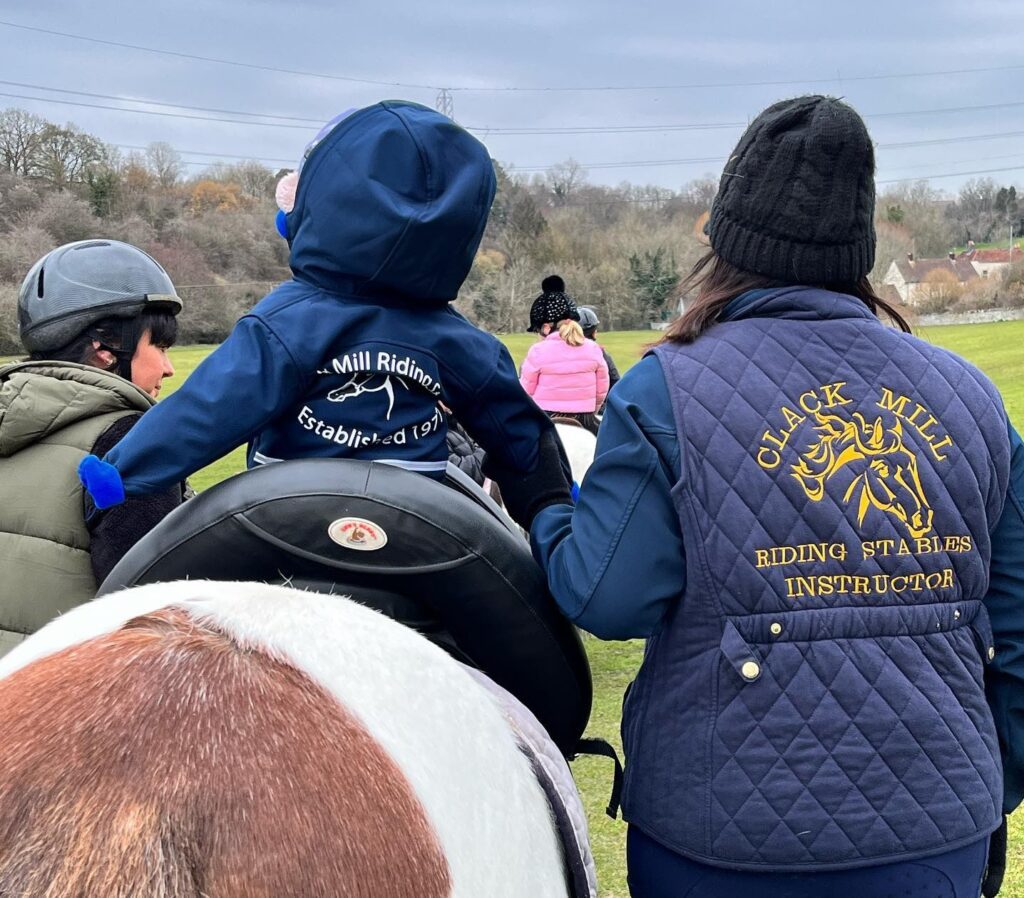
[(239, 740)]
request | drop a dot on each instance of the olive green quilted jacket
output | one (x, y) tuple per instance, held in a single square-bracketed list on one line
[(51, 414)]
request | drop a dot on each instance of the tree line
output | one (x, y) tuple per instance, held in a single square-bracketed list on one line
[(621, 249)]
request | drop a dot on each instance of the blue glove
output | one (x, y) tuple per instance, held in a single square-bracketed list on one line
[(281, 223), (101, 481)]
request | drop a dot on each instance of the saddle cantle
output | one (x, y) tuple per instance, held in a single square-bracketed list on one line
[(440, 558)]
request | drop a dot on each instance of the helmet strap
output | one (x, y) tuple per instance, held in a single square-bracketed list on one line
[(126, 351)]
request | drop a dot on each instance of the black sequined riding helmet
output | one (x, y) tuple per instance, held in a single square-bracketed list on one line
[(553, 305)]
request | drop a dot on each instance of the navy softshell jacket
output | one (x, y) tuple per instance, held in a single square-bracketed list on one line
[(351, 356)]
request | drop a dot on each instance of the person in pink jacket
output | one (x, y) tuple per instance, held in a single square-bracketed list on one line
[(565, 373)]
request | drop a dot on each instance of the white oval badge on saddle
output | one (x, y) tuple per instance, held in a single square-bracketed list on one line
[(358, 534)]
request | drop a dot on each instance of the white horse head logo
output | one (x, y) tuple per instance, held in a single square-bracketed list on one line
[(363, 382)]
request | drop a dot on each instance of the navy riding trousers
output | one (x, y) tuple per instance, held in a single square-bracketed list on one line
[(657, 872)]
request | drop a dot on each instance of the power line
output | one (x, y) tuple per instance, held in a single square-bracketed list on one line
[(709, 126), (606, 129), (210, 163), (215, 157), (214, 59), (198, 118), (705, 85), (484, 130), (639, 163), (970, 161), (512, 88), (642, 163), (955, 174), (650, 163), (212, 155), (941, 140), (124, 99), (977, 108), (639, 200)]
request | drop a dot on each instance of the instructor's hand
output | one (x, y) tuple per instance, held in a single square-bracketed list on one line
[(526, 494)]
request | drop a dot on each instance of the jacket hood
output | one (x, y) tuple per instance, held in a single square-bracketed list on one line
[(392, 203), (38, 399)]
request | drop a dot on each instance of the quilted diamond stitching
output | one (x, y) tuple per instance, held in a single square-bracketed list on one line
[(714, 458)]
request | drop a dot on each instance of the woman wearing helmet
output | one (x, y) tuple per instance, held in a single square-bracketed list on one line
[(97, 318)]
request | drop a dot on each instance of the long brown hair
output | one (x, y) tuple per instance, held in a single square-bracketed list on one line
[(718, 283)]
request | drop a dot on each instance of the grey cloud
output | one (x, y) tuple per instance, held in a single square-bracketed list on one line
[(467, 43)]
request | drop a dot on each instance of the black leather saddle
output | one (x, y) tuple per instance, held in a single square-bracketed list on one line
[(439, 557)]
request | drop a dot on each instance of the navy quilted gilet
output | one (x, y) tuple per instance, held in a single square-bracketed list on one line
[(816, 700)]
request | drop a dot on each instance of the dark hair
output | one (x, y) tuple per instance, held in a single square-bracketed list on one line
[(114, 333), (718, 282), (162, 327)]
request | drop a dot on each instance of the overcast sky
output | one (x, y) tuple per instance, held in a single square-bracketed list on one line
[(479, 49)]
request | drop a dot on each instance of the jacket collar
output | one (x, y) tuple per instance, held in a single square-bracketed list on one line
[(802, 303)]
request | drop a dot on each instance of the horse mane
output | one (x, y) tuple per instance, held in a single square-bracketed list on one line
[(821, 459), (817, 462)]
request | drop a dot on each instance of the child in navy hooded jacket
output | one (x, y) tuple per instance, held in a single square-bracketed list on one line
[(351, 357)]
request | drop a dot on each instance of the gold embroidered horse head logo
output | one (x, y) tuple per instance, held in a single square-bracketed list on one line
[(886, 475)]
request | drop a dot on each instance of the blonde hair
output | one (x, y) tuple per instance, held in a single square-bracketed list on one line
[(571, 332)]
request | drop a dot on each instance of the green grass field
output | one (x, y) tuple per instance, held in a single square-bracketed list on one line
[(995, 348), (1002, 243)]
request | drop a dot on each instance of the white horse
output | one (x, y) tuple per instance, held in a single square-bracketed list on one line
[(197, 739), (579, 445)]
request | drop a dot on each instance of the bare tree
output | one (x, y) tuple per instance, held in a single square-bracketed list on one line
[(941, 290), (922, 210), (20, 140), (254, 178), (700, 193), (164, 162), (894, 242), (64, 217), (564, 179), (65, 155), (974, 213)]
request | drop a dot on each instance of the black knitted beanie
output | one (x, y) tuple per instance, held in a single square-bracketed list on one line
[(796, 202)]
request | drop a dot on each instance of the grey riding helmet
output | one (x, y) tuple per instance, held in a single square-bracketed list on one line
[(79, 284), (588, 318)]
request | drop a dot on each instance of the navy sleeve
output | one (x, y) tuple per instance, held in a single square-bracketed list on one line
[(616, 562), (241, 386), (503, 419), (1004, 676)]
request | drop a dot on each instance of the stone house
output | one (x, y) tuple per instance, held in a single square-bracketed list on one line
[(913, 279)]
